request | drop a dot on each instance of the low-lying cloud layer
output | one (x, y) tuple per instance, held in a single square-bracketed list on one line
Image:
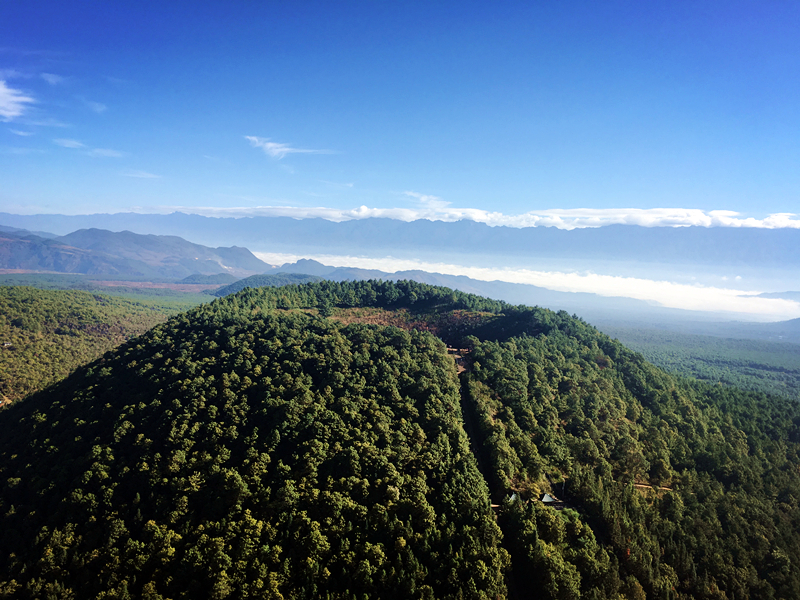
[(434, 209), (663, 293)]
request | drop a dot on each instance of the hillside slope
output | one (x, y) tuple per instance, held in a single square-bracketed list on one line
[(256, 448), (232, 454), (28, 252), (171, 254)]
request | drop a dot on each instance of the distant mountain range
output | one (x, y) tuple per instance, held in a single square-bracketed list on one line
[(123, 255), (127, 255), (782, 295), (586, 305), (599, 310), (757, 248)]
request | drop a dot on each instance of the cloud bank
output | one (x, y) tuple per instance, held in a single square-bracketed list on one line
[(13, 103), (433, 208), (663, 293)]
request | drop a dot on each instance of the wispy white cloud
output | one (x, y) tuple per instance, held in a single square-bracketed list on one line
[(428, 201), (336, 184), (434, 208), (68, 143), (664, 293), (15, 150), (6, 74), (21, 133), (139, 174), (53, 79), (97, 107), (278, 150), (44, 123), (13, 103), (93, 152), (105, 153)]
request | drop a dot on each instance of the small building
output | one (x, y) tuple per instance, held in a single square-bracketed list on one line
[(550, 500)]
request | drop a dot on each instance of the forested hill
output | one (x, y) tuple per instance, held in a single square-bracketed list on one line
[(274, 444)]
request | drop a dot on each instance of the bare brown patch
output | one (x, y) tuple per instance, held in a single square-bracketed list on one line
[(400, 318), (448, 326)]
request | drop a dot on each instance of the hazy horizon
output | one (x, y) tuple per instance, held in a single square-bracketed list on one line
[(517, 115)]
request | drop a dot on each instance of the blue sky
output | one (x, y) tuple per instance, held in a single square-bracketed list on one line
[(565, 113)]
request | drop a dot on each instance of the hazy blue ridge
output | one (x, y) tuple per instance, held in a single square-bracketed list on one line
[(123, 254)]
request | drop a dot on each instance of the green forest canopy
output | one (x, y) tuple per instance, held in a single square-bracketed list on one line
[(255, 447), (46, 334)]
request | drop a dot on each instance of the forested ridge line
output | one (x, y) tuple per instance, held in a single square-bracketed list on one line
[(258, 446)]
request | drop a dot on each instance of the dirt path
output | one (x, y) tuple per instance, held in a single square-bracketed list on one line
[(647, 486), (459, 355)]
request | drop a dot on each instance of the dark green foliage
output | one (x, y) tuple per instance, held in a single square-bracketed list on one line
[(48, 281), (232, 453), (44, 335), (247, 449), (572, 412)]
